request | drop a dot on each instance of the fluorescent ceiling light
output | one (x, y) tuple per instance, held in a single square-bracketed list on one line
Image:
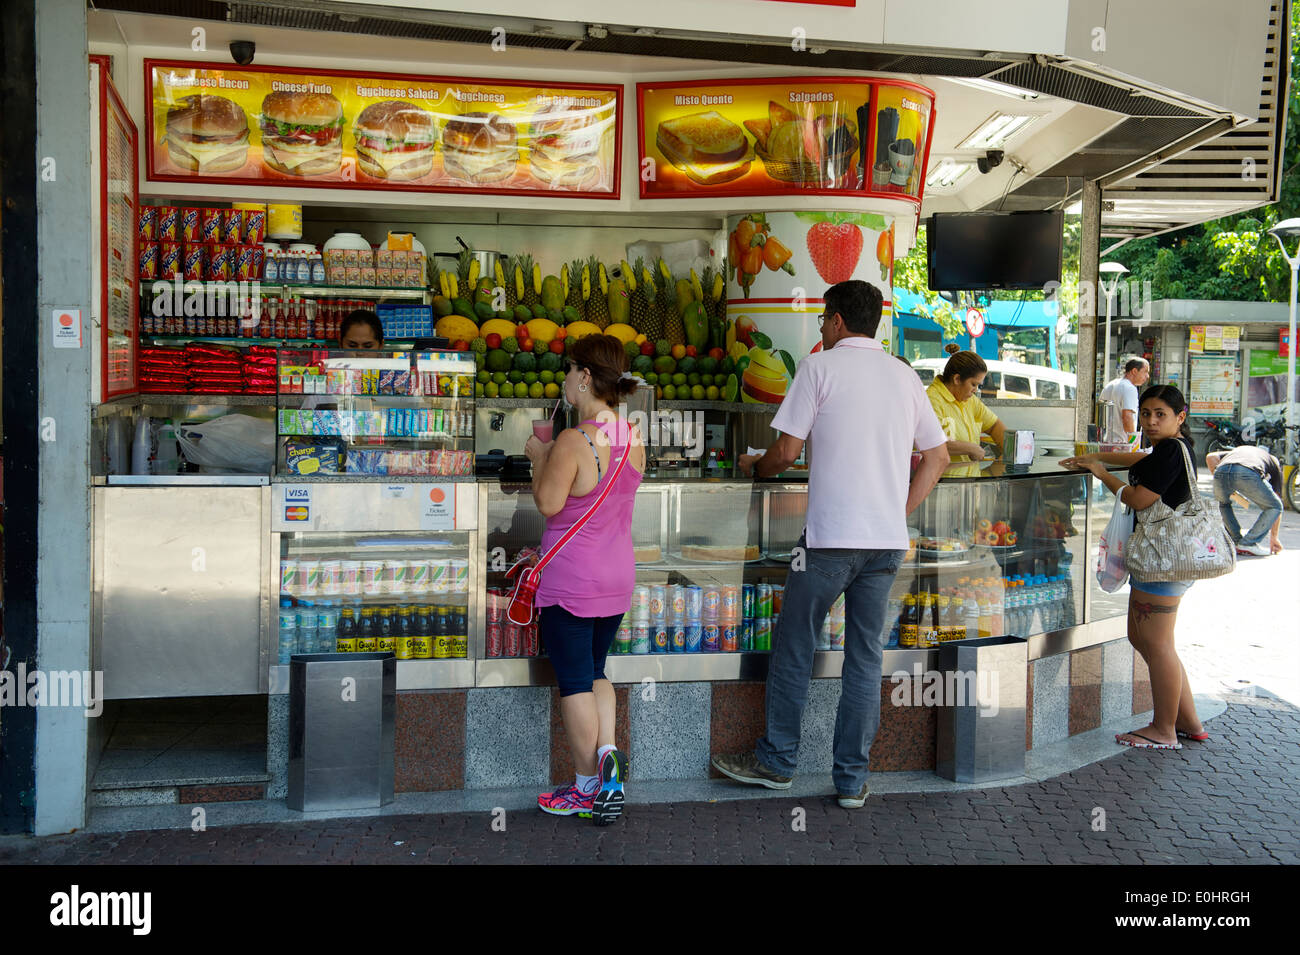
[(947, 172), (993, 86), (997, 130)]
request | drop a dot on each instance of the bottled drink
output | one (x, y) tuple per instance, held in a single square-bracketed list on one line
[(947, 629), (909, 623)]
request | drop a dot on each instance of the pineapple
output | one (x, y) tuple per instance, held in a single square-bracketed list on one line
[(572, 279), (504, 278), (639, 292), (665, 320), (466, 273), (597, 300), (529, 293)]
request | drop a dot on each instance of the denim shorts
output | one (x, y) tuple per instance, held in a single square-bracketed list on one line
[(577, 646), (1172, 588)]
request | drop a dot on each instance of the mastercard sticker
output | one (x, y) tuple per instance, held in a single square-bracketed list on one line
[(297, 513)]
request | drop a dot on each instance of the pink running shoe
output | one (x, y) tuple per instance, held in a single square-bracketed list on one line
[(566, 801)]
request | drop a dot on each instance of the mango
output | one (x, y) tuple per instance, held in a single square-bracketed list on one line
[(552, 293)]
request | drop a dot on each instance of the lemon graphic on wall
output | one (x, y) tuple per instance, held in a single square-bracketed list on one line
[(765, 379)]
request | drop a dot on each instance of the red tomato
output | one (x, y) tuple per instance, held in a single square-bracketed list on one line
[(647, 347), (556, 346), (521, 332), (717, 353), (460, 345), (526, 344), (690, 351), (494, 340)]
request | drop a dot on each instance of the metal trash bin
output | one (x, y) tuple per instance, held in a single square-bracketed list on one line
[(982, 723), (342, 710)]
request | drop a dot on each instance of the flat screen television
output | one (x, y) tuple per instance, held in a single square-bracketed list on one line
[(987, 250)]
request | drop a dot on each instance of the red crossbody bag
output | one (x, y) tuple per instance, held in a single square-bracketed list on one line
[(521, 609)]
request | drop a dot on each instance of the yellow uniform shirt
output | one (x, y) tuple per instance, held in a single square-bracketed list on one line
[(960, 420)]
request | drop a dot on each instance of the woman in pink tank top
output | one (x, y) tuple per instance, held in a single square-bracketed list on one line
[(587, 587)]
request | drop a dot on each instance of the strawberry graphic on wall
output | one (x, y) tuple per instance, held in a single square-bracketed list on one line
[(835, 246)]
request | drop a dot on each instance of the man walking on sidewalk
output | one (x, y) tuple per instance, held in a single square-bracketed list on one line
[(1121, 398), (863, 412)]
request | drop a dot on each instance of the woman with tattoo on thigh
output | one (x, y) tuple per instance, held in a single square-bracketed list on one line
[(1153, 606)]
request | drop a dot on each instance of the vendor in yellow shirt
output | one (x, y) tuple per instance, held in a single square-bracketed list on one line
[(963, 417)]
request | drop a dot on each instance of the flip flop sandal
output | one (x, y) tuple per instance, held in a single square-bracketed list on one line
[(1149, 744), (1197, 738)]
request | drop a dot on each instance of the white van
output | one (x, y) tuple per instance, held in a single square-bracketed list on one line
[(1009, 379)]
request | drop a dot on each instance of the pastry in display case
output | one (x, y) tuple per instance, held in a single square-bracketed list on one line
[(375, 413)]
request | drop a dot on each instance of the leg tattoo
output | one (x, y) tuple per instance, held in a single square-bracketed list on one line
[(1142, 609)]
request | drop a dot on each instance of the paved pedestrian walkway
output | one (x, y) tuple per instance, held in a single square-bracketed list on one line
[(1233, 799)]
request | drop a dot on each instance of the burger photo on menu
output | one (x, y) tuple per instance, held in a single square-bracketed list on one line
[(395, 140), (480, 148), (564, 144), (302, 133), (206, 134)]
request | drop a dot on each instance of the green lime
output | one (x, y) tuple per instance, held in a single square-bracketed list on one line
[(731, 391), (652, 379), (507, 390), (546, 377), (679, 379), (559, 377), (711, 393), (697, 392), (536, 390), (693, 379), (552, 390), (478, 389), (530, 377), (706, 380), (499, 377), (491, 390), (670, 393), (515, 375), (484, 376)]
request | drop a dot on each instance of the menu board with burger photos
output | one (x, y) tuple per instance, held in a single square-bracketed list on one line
[(774, 136), (353, 130)]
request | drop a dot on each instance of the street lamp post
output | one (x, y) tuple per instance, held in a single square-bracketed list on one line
[(1115, 269), (1284, 230)]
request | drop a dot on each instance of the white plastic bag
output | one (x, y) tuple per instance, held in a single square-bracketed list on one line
[(239, 442), (1111, 572)]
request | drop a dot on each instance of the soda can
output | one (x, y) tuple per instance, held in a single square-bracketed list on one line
[(147, 225), (747, 602), (778, 594), (169, 223), (658, 602), (417, 576), (677, 638), (495, 638), (194, 261), (458, 575), (254, 226), (712, 602), (232, 226), (623, 640), (245, 269), (640, 602), (288, 576), (513, 640), (210, 226), (531, 639), (763, 601), (712, 639), (677, 602), (729, 603), (763, 634), (729, 638), (694, 637), (694, 602), (395, 576), (169, 259), (148, 260), (497, 602), (439, 582), (640, 639), (659, 638)]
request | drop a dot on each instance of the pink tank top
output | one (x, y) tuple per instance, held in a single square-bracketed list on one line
[(593, 575)]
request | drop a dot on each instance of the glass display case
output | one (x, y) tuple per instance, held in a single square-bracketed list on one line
[(992, 553), (375, 413)]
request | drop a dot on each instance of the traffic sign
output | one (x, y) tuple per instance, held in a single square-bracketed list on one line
[(974, 322)]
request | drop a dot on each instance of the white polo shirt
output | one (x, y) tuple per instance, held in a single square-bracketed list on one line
[(863, 411)]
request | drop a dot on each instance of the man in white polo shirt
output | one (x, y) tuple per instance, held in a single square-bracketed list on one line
[(863, 411)]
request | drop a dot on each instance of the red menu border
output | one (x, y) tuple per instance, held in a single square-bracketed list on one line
[(867, 139), (292, 182), (109, 98)]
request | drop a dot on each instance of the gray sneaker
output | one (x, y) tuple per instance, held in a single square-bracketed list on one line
[(745, 768), (855, 802)]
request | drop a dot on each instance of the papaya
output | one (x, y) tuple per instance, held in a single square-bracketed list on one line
[(577, 330), (622, 331), (619, 304), (455, 327), (542, 329), (685, 294), (696, 323), (498, 326), (552, 293)]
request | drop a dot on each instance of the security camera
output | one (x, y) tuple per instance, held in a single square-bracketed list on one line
[(241, 51), (990, 160)]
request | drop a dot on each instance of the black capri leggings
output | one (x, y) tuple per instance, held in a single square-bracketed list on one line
[(577, 646)]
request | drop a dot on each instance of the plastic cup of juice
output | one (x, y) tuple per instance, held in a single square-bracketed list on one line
[(543, 429)]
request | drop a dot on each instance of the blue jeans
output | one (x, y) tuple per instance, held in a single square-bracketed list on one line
[(1250, 484), (864, 577)]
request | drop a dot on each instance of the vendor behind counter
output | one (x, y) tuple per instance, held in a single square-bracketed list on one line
[(962, 415)]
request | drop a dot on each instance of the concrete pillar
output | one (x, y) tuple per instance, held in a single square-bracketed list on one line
[(1089, 299), (63, 263)]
